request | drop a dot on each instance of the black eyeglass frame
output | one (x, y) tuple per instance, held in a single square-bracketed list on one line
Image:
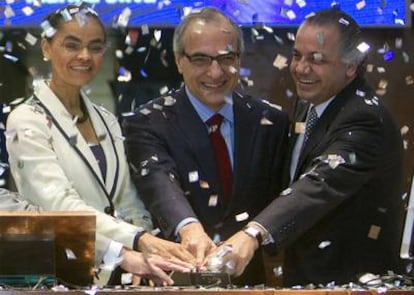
[(220, 58)]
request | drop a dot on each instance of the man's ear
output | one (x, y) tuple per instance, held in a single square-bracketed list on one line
[(351, 69), (178, 60)]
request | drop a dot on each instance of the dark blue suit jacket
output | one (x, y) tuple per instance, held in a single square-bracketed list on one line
[(167, 141), (342, 214)]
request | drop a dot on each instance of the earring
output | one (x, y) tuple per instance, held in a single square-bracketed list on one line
[(45, 58)]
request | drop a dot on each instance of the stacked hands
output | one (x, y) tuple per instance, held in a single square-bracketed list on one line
[(196, 252)]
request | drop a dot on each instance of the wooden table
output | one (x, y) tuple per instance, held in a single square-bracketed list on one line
[(188, 291)]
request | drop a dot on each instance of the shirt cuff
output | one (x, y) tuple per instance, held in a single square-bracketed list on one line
[(183, 223), (266, 236), (136, 239), (113, 253)]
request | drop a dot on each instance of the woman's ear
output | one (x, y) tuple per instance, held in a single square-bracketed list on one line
[(45, 45)]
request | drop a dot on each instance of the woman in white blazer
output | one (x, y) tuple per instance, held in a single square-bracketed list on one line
[(66, 153)]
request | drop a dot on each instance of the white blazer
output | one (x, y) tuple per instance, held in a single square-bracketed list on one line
[(54, 168)]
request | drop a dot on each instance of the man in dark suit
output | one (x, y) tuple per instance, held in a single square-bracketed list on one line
[(188, 192), (341, 214)]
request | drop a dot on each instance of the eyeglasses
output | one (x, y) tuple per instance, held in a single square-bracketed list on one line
[(203, 60), (74, 47)]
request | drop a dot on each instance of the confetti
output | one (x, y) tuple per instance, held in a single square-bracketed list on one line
[(193, 176), (398, 43), (409, 80), (301, 3), (123, 18), (363, 47), (360, 93), (242, 216), (145, 111), (29, 38), (265, 121), (213, 201), (169, 101), (389, 55), (335, 160), (344, 21), (324, 244), (70, 255), (144, 171), (204, 184), (360, 5), (8, 12), (404, 130), (126, 278), (320, 36), (27, 10), (383, 84), (156, 231), (278, 271), (317, 56), (406, 57), (157, 35), (280, 62), (286, 192)]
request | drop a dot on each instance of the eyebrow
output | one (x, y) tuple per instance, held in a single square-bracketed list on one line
[(74, 38)]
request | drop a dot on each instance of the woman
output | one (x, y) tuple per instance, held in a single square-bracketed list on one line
[(67, 153)]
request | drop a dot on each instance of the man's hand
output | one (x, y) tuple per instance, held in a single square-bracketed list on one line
[(242, 247), (150, 244), (196, 241), (152, 266)]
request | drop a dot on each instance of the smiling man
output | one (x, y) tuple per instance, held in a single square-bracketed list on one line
[(204, 180), (341, 214)]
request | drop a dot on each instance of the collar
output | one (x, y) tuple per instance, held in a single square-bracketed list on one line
[(205, 112), (320, 108)]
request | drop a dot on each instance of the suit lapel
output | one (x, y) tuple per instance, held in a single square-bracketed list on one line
[(322, 126), (107, 142), (246, 122), (196, 137), (67, 126), (297, 127)]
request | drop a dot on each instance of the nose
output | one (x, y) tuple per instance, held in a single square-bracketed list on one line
[(84, 53), (215, 69), (302, 66)]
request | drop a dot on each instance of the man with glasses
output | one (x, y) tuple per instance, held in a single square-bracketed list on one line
[(206, 158)]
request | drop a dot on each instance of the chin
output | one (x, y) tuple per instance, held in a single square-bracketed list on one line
[(304, 96)]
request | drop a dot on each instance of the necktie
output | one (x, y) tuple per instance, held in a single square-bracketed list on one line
[(310, 123), (221, 155)]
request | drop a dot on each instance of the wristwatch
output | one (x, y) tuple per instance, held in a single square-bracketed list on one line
[(254, 233)]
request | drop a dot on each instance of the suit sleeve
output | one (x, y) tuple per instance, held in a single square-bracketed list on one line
[(335, 173), (154, 171)]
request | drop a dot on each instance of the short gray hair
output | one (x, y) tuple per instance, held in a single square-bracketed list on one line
[(350, 34), (206, 14)]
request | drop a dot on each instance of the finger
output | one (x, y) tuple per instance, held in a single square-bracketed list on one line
[(179, 263), (158, 272), (239, 267), (201, 252), (136, 280), (182, 254)]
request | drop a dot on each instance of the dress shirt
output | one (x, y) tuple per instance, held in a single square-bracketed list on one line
[(227, 126), (226, 129), (320, 108)]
